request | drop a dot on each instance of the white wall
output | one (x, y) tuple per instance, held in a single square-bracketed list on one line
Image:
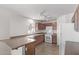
[(62, 19), (68, 34), (65, 18), (18, 26), (4, 24), (11, 24), (4, 30)]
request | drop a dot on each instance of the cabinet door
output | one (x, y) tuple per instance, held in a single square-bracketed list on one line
[(54, 38), (41, 26), (39, 39), (76, 19), (30, 49)]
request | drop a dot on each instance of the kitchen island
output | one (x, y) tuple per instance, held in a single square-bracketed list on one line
[(24, 40)]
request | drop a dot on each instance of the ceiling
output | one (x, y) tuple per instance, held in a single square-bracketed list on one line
[(34, 10)]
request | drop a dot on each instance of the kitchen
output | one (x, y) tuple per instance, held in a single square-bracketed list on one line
[(34, 29), (40, 33)]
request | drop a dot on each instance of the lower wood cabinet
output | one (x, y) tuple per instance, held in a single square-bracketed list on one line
[(54, 38), (30, 49), (39, 39)]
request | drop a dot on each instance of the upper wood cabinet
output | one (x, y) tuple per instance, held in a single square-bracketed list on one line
[(42, 26), (75, 19)]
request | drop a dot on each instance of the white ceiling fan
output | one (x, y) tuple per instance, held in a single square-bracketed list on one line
[(45, 15), (42, 16)]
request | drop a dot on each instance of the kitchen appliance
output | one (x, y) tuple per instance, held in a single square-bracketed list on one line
[(49, 33)]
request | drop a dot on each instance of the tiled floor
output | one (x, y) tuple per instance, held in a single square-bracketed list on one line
[(47, 49)]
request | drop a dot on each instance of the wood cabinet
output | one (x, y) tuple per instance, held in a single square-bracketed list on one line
[(55, 25), (54, 38), (30, 49), (39, 39), (41, 26), (71, 48), (75, 19)]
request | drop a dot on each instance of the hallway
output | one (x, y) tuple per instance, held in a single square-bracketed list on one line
[(47, 49)]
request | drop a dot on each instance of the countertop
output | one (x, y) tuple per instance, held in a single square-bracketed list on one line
[(18, 42)]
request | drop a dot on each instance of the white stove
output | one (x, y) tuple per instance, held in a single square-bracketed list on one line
[(49, 33)]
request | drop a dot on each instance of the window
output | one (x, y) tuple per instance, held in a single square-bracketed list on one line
[(31, 26)]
